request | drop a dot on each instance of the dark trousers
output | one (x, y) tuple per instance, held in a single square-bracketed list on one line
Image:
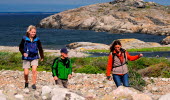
[(62, 83), (119, 79)]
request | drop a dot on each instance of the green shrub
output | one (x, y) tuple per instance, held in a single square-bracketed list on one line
[(88, 69), (152, 67), (157, 70), (136, 81)]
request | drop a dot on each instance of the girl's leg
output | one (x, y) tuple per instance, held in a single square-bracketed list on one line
[(34, 74), (117, 80), (125, 80), (26, 72)]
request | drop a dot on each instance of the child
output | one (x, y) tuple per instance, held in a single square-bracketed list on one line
[(29, 47), (62, 69)]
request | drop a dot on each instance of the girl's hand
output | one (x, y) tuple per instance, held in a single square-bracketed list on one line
[(41, 59), (140, 55), (25, 55)]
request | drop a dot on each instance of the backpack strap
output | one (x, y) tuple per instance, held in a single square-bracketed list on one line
[(113, 56), (124, 51)]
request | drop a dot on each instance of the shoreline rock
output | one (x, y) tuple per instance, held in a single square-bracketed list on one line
[(122, 16), (166, 40)]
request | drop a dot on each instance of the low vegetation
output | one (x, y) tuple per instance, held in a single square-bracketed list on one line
[(153, 49), (150, 67)]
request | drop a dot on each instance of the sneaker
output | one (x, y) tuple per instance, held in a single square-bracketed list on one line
[(33, 86), (26, 85)]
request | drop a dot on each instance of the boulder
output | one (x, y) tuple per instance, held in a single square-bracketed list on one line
[(165, 97), (135, 43), (87, 46), (46, 92), (64, 94), (126, 93), (2, 96), (58, 93)]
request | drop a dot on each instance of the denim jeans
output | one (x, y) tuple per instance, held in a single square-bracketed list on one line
[(119, 79)]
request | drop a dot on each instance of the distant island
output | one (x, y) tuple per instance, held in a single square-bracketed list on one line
[(118, 16)]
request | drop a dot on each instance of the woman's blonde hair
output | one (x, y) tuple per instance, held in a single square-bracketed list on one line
[(29, 29)]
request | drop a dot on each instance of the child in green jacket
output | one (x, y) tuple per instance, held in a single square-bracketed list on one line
[(62, 69)]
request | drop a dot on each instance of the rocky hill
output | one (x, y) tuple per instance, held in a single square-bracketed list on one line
[(119, 16)]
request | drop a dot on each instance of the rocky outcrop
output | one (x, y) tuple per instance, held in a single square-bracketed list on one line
[(134, 3), (166, 40), (87, 46), (135, 43), (126, 44), (119, 16), (122, 93)]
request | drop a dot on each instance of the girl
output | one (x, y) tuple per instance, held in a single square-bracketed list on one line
[(29, 47), (117, 63)]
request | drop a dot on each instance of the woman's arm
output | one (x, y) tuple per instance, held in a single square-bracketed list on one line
[(21, 46), (109, 65), (40, 49), (132, 58)]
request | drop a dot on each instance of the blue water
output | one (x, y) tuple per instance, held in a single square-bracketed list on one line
[(13, 27)]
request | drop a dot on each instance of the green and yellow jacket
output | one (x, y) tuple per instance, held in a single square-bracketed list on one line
[(61, 68)]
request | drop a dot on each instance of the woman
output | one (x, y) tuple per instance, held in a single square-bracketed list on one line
[(29, 47), (117, 63)]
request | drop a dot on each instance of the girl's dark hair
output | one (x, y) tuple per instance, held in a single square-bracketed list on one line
[(112, 47)]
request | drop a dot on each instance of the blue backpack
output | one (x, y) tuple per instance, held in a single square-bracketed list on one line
[(31, 48)]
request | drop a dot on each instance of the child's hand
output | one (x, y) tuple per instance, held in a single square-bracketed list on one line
[(55, 78), (69, 76)]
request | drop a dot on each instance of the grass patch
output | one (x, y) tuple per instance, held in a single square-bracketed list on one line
[(153, 49), (98, 51)]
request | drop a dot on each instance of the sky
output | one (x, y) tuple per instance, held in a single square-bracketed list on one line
[(52, 5)]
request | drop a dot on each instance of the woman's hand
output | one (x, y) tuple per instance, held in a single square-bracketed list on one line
[(109, 78), (140, 55), (25, 55)]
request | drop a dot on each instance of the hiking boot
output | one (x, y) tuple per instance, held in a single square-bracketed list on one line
[(33, 86), (26, 85)]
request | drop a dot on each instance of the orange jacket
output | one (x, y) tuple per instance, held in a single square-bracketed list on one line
[(109, 65)]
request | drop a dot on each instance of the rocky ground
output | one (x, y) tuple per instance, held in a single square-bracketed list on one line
[(81, 87), (119, 16)]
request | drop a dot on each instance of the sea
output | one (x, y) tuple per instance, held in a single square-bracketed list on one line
[(14, 25)]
